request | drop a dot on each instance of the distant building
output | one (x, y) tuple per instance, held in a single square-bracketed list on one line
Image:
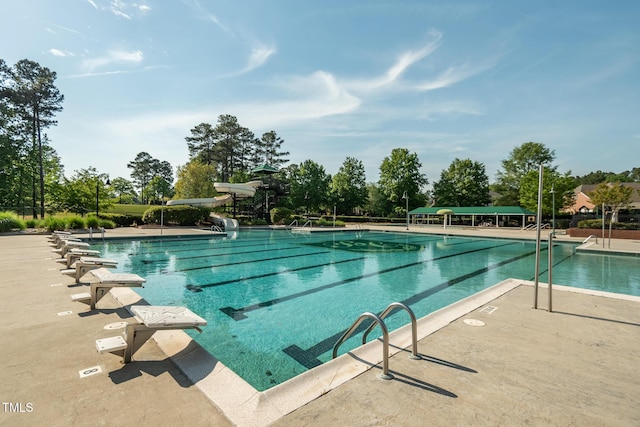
[(583, 203), (483, 216)]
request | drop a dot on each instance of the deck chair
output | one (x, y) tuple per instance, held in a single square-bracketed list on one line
[(85, 264), (148, 320), (102, 280)]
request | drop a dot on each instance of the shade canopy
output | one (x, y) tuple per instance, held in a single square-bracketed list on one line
[(264, 168), (444, 212)]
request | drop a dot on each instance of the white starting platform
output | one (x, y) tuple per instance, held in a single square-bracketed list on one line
[(86, 264), (102, 282), (75, 254), (149, 319)]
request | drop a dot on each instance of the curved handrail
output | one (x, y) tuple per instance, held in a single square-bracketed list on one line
[(588, 238), (216, 228), (414, 327), (385, 341), (308, 222), (295, 221)]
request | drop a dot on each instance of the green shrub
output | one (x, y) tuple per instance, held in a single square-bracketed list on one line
[(9, 221), (597, 223), (53, 223), (108, 224), (123, 220), (126, 210), (176, 215), (282, 216), (93, 221), (32, 223), (75, 222), (325, 222)]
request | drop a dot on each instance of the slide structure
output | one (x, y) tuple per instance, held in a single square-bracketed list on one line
[(233, 192)]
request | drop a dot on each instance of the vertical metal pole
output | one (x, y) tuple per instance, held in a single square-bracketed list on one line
[(538, 219), (97, 196), (604, 214), (407, 212), (553, 208), (550, 267), (334, 216), (405, 196), (162, 213)]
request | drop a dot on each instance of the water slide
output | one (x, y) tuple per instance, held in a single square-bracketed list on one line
[(234, 192)]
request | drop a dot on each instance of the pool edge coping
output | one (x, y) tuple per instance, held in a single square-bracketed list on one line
[(243, 405)]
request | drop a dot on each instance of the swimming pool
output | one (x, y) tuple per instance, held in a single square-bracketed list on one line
[(277, 301)]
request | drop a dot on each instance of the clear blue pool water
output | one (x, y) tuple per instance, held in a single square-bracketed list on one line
[(276, 302)]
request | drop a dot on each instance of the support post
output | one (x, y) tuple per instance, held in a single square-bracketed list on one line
[(549, 272), (538, 219)]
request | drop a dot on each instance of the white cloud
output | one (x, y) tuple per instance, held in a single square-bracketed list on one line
[(58, 52), (206, 15), (409, 58), (214, 19), (118, 8), (122, 9), (114, 56), (259, 56), (451, 76), (404, 61)]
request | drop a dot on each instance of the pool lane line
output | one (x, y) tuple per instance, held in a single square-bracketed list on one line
[(309, 357), (239, 313), (554, 264), (249, 261), (221, 242), (205, 247), (156, 261), (211, 255), (198, 288), (263, 259), (231, 244), (228, 254)]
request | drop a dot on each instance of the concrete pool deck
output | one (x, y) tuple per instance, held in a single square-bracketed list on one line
[(574, 366)]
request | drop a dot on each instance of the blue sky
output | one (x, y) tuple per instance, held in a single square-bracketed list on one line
[(334, 79)]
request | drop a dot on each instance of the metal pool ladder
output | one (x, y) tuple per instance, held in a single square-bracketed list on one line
[(385, 335)]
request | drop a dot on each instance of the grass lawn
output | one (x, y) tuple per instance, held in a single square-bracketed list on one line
[(128, 209)]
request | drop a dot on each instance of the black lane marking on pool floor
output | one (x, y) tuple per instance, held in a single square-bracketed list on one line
[(198, 288), (255, 244), (239, 313), (248, 261), (309, 357), (231, 254), (207, 248), (546, 270), (220, 242), (217, 247)]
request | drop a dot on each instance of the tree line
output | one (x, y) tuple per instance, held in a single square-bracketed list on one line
[(32, 174)]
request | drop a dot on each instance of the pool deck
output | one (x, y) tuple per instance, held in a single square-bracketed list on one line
[(576, 365)]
